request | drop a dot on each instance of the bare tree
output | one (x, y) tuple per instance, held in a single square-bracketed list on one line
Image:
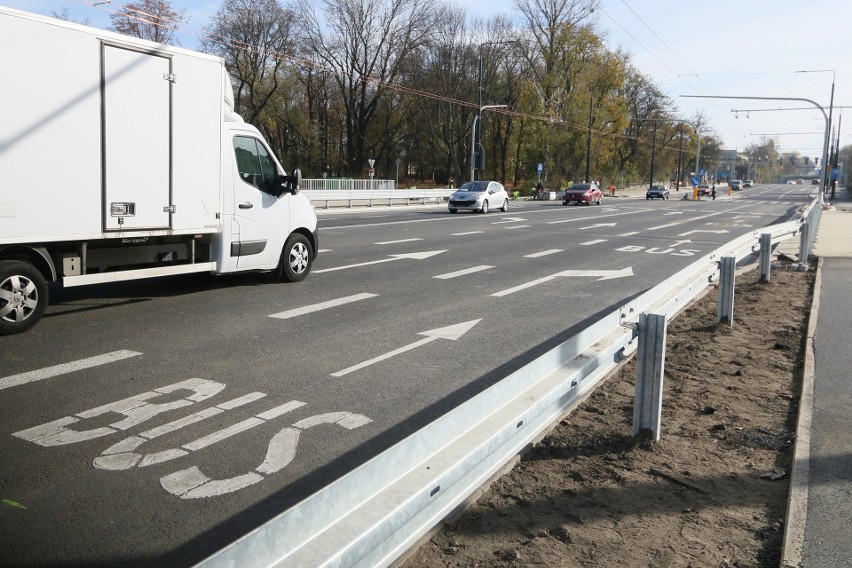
[(154, 20), (365, 44), (64, 14), (255, 38)]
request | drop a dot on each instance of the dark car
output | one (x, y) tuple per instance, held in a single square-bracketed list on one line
[(578, 193), (814, 182), (657, 191)]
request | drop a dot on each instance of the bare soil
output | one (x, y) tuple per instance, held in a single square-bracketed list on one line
[(711, 492)]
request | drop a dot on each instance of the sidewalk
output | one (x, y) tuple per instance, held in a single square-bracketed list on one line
[(819, 523)]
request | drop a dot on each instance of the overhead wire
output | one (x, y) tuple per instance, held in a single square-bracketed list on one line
[(308, 64)]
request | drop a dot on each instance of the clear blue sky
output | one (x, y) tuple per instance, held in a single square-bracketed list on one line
[(725, 47)]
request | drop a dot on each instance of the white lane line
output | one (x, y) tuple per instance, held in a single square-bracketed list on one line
[(449, 275), (324, 250), (542, 253), (517, 227), (595, 217), (56, 370), (322, 306), (399, 241), (467, 233), (594, 242), (630, 234)]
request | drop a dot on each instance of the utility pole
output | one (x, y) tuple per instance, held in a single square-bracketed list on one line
[(589, 142)]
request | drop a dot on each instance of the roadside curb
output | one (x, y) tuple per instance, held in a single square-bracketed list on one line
[(797, 504)]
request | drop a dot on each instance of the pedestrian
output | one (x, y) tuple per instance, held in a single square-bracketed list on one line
[(713, 191), (450, 183)]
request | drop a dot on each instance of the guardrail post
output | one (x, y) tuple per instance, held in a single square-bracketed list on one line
[(804, 240), (765, 250), (650, 364), (727, 280)]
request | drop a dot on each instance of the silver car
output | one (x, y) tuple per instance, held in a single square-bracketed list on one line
[(479, 196)]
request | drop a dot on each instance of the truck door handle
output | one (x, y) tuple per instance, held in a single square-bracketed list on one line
[(246, 205)]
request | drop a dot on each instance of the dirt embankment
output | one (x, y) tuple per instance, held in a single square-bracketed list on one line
[(712, 492)]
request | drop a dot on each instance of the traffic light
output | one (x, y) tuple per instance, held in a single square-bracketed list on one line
[(807, 160), (816, 161), (792, 161)]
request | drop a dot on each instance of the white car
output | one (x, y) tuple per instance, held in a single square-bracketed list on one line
[(479, 196)]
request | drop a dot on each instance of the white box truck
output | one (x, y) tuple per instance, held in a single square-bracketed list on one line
[(123, 159)]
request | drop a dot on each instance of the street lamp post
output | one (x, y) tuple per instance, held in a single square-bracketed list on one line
[(473, 145), (814, 103), (824, 176), (477, 122)]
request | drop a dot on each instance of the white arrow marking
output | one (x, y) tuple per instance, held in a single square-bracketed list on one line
[(603, 274), (396, 242), (674, 213), (594, 242), (414, 255), (719, 232), (508, 220), (599, 274), (452, 332), (322, 306), (449, 275), (598, 225), (673, 245), (542, 253)]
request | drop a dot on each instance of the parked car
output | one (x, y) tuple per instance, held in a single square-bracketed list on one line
[(748, 183), (657, 191), (479, 196), (587, 193), (704, 189), (736, 184)]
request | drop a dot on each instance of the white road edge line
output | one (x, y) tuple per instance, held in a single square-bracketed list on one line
[(322, 306), (64, 368)]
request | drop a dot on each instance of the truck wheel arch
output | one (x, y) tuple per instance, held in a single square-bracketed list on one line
[(39, 257)]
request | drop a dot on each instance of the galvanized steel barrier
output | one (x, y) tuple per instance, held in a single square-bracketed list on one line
[(372, 515)]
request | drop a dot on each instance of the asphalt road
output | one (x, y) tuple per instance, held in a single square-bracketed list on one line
[(153, 422)]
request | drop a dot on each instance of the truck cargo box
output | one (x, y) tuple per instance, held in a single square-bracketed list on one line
[(106, 136)]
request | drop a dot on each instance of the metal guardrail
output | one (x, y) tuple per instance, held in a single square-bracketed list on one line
[(372, 515)]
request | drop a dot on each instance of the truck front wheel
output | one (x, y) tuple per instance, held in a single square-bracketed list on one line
[(295, 258), (23, 296)]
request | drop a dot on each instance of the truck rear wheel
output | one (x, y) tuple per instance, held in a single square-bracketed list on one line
[(23, 296), (295, 259)]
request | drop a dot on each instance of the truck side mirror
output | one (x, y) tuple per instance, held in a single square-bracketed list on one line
[(291, 184)]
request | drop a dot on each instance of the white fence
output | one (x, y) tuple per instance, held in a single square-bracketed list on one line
[(348, 192)]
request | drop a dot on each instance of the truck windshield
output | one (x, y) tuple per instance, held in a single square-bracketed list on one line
[(255, 164)]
